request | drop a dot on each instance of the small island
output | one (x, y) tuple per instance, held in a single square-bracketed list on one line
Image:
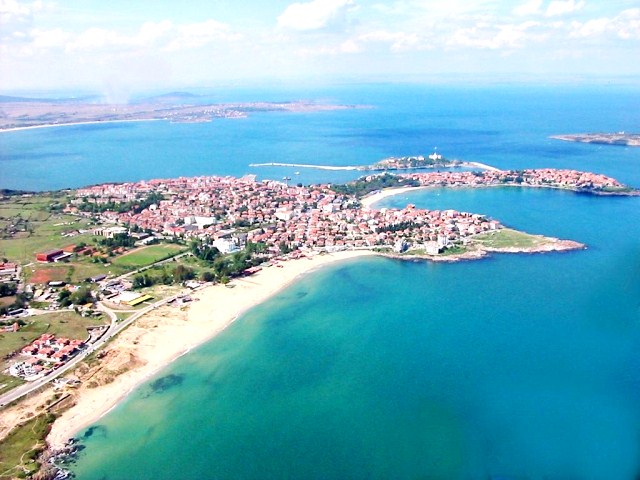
[(619, 138), (435, 160), (414, 162)]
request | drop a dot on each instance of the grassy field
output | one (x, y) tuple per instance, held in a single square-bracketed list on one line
[(454, 250), (7, 382), (147, 255), (37, 228), (506, 238), (63, 323), (20, 449), (75, 271)]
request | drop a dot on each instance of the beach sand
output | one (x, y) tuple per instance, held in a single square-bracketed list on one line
[(72, 124), (161, 336), (373, 198)]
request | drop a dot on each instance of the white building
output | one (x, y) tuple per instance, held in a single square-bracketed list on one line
[(435, 156), (225, 245)]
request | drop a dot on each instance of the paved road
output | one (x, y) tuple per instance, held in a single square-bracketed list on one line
[(114, 329)]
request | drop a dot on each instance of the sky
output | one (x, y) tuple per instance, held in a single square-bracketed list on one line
[(136, 44)]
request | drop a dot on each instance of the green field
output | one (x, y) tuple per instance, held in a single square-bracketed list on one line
[(7, 382), (37, 228), (147, 255), (63, 323), (506, 238), (20, 449)]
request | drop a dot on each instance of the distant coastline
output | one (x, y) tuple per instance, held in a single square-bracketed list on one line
[(620, 138), (19, 115), (72, 124)]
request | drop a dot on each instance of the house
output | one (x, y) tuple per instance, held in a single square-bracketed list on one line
[(8, 268), (49, 256)]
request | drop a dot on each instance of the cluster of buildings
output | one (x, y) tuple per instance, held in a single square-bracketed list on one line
[(546, 177), (419, 161), (231, 211), (44, 353)]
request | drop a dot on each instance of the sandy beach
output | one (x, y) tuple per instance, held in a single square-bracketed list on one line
[(161, 336), (373, 198), (71, 124)]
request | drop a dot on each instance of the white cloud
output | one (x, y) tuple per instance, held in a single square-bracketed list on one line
[(316, 15), (11, 10), (350, 46), (590, 28), (397, 41), (95, 39), (562, 7), (529, 8), (48, 39), (197, 35), (628, 24), (485, 36), (151, 32), (625, 26), (162, 35)]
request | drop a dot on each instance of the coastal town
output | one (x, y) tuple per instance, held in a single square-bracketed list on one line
[(218, 230), (233, 211)]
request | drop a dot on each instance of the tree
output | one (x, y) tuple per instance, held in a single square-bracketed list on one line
[(141, 281), (284, 248), (182, 273), (8, 289), (63, 298), (207, 276), (81, 296)]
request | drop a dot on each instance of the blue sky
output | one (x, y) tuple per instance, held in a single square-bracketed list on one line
[(134, 44)]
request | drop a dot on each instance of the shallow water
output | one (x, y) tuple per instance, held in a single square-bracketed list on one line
[(517, 366)]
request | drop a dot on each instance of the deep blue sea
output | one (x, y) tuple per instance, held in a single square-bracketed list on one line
[(512, 367)]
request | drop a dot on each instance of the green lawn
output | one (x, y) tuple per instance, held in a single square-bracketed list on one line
[(454, 250), (147, 255), (505, 238)]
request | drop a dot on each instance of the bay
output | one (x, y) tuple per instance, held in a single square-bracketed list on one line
[(518, 366)]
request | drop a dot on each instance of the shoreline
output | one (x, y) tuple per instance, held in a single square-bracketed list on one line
[(172, 332), (70, 124), (163, 335), (373, 198)]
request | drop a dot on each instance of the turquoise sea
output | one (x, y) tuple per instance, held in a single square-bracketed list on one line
[(513, 367)]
